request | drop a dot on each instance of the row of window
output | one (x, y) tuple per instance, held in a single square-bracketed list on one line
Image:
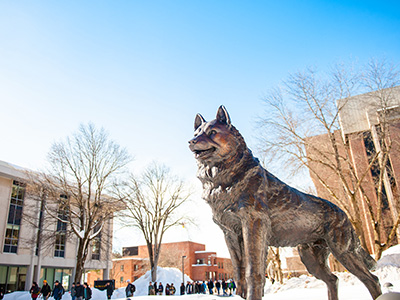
[(213, 275), (14, 217), (14, 222), (135, 268), (200, 261)]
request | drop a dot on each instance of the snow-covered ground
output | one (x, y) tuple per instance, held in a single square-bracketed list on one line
[(304, 287)]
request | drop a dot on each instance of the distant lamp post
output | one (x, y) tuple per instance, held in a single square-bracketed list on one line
[(183, 269)]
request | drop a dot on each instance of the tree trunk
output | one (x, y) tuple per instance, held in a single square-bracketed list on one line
[(154, 267), (81, 256)]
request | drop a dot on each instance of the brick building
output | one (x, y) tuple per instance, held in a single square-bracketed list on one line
[(199, 264), (360, 122)]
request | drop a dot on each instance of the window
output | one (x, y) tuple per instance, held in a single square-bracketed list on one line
[(122, 268), (96, 243), (14, 217), (121, 279), (135, 267), (200, 261), (375, 169), (59, 247), (130, 251)]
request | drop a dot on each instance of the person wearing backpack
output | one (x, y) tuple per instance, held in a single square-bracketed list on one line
[(87, 292), (130, 289), (35, 290), (58, 290)]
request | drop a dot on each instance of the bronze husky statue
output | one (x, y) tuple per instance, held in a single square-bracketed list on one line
[(255, 209)]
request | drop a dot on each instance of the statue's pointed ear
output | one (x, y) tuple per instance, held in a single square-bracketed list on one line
[(223, 116), (198, 121)]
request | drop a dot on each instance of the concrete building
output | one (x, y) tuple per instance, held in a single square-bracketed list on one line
[(199, 264), (22, 260), (361, 118)]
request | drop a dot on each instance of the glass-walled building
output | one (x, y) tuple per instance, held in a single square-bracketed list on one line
[(24, 257)]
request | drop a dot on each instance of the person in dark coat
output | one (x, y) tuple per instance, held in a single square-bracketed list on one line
[(167, 289), (197, 286), (182, 288), (87, 292), (1, 293), (224, 287), (58, 290), (46, 290), (151, 289), (109, 289), (73, 291), (35, 290), (218, 286), (78, 291), (130, 289), (189, 288), (210, 286), (160, 289), (172, 289)]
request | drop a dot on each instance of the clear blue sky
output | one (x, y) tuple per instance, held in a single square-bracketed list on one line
[(143, 69)]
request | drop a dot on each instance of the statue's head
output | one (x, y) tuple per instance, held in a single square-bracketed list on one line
[(215, 141)]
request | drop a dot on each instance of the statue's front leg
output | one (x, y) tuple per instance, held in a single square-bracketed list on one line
[(254, 237), (234, 241)]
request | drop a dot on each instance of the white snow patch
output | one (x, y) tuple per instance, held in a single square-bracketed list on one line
[(301, 288), (390, 257)]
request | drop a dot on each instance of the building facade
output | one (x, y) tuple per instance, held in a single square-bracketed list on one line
[(198, 263), (361, 119), (22, 258)]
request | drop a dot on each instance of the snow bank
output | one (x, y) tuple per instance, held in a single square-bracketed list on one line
[(388, 270), (164, 275), (301, 288), (390, 257)]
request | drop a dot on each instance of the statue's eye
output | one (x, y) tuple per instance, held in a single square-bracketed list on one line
[(212, 132)]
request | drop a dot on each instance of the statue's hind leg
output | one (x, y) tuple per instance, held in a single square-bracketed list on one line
[(355, 259), (314, 256)]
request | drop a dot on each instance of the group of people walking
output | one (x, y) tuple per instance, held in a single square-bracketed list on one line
[(158, 289), (45, 291), (217, 287), (211, 287), (78, 291)]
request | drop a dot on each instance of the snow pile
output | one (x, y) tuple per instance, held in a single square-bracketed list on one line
[(390, 257), (164, 275), (388, 270), (17, 296), (301, 288)]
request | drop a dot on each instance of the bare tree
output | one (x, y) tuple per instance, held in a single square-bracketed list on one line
[(274, 266), (83, 169), (151, 202), (306, 109), (43, 224)]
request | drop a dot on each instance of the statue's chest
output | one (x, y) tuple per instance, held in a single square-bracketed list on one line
[(225, 203)]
